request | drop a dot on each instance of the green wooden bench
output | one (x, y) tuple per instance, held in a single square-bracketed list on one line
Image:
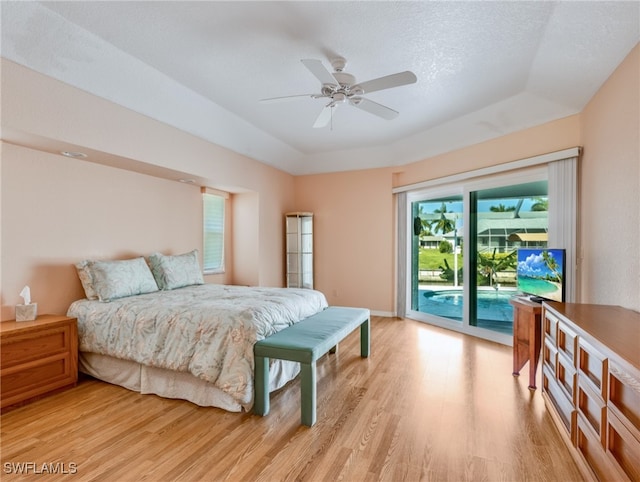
[(305, 342)]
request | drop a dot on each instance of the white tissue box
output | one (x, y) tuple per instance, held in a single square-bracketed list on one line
[(27, 312)]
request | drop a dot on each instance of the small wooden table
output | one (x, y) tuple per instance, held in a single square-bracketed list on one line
[(527, 337)]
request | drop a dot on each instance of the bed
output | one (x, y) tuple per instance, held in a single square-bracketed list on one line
[(186, 340)]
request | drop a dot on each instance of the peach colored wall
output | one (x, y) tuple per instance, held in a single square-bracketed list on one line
[(57, 211), (353, 236), (610, 190), (41, 112), (552, 136)]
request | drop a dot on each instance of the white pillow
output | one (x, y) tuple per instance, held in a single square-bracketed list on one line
[(177, 271)]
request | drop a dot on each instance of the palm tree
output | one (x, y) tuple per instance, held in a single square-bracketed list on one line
[(540, 204), (501, 208), (442, 224), (488, 266), (552, 264)]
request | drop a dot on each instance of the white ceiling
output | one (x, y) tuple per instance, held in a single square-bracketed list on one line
[(484, 68)]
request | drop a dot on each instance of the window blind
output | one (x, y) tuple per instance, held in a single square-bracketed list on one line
[(213, 229)]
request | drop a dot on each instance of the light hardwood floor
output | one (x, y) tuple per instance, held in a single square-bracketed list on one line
[(428, 404)]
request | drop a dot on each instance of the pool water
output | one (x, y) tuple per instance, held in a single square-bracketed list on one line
[(494, 310)]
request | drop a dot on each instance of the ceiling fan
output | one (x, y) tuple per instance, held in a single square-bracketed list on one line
[(340, 87)]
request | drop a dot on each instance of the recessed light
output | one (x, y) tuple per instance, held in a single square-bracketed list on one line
[(74, 155), (187, 181)]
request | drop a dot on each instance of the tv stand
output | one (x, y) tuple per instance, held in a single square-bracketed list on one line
[(527, 336)]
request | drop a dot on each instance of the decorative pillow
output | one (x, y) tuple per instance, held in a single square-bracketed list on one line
[(118, 279), (177, 271), (84, 273)]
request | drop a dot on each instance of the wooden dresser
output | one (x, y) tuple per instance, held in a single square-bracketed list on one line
[(591, 385), (37, 357)]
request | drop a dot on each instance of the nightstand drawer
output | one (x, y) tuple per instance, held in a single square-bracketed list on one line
[(36, 378), (22, 348)]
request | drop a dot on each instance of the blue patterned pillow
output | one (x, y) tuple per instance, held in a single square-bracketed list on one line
[(118, 279), (86, 278), (177, 271)]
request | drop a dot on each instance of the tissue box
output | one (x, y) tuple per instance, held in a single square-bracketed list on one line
[(27, 312)]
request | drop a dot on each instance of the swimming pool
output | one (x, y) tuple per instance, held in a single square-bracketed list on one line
[(494, 310)]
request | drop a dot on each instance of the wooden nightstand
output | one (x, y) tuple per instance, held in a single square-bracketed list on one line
[(37, 357)]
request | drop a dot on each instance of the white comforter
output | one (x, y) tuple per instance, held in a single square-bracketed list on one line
[(207, 330)]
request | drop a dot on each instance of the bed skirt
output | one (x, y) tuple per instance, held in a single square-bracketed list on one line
[(171, 384)]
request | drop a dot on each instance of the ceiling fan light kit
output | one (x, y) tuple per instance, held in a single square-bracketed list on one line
[(340, 87)]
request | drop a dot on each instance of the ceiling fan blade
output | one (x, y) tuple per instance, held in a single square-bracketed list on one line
[(289, 97), (325, 116), (388, 81), (373, 108), (319, 70)]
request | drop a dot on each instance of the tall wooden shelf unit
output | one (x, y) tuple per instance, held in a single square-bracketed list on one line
[(299, 237)]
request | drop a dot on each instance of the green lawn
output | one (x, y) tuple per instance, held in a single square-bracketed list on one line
[(432, 259)]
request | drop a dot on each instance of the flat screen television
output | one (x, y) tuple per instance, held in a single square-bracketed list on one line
[(540, 273)]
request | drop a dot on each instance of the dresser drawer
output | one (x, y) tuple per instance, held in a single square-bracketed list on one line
[(567, 342), (562, 405), (550, 327), (623, 447), (549, 355), (566, 376), (590, 449), (21, 348), (624, 396), (592, 408), (592, 366)]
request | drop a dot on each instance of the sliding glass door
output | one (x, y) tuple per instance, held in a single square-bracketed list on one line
[(503, 219), (463, 245), (436, 268)]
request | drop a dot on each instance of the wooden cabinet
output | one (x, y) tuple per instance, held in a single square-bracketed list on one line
[(526, 337), (37, 357), (591, 385), (299, 250)]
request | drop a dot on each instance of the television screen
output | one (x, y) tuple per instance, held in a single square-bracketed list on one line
[(540, 273)]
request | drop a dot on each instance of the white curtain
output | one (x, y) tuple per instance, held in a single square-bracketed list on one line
[(401, 263), (563, 200)]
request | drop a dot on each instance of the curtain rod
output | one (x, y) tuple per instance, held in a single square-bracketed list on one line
[(508, 166)]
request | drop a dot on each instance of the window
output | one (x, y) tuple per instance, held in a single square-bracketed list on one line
[(213, 229), (457, 236)]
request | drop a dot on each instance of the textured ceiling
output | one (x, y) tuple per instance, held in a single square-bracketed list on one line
[(484, 68)]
